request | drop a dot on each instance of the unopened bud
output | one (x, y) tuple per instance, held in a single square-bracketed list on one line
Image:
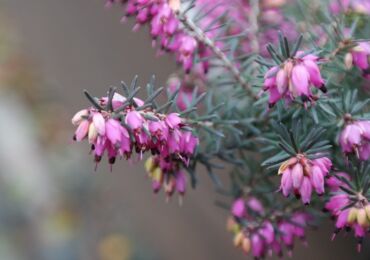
[(79, 116), (367, 210), (175, 5), (93, 133), (348, 61), (246, 245), (362, 218), (238, 239), (352, 215)]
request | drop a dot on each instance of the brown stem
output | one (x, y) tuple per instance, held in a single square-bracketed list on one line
[(203, 38)]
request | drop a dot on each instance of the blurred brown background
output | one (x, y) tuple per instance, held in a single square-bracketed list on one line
[(81, 214)]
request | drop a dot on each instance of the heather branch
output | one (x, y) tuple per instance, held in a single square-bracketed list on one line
[(203, 38)]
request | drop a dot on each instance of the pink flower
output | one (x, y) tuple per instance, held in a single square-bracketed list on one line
[(301, 175), (99, 123), (162, 134), (134, 120), (238, 209), (82, 130), (166, 173), (173, 120), (355, 138), (348, 212), (294, 78)]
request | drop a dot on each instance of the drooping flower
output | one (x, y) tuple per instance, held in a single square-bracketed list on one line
[(347, 6), (260, 234), (350, 212), (140, 131), (166, 173), (294, 78), (358, 56), (301, 176), (355, 138)]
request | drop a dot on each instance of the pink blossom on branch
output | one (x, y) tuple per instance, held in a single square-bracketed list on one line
[(355, 138), (265, 234), (294, 78), (301, 176), (131, 131), (350, 210)]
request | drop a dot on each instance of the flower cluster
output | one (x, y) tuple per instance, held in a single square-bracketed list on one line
[(260, 234), (301, 175), (164, 27), (358, 56), (351, 211), (293, 78), (166, 173), (355, 138), (123, 129), (356, 6)]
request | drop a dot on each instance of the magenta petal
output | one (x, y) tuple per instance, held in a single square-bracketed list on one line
[(173, 120), (113, 131), (314, 73), (300, 80), (180, 182), (342, 219), (274, 95), (286, 182), (282, 81), (82, 130), (317, 179), (297, 175), (238, 208), (257, 246), (306, 190), (134, 119)]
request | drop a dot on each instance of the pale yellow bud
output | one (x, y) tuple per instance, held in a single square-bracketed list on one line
[(362, 218), (352, 215), (348, 61), (367, 209), (93, 133), (288, 67), (287, 164), (246, 245), (175, 5), (238, 239), (149, 164), (157, 174)]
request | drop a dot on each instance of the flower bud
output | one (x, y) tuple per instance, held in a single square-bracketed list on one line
[(93, 133), (175, 5), (348, 60), (246, 245), (82, 130), (238, 239), (79, 116), (352, 215), (362, 218)]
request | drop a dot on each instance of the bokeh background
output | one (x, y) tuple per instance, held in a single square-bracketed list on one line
[(53, 205)]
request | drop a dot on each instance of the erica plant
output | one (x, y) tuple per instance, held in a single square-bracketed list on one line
[(307, 138)]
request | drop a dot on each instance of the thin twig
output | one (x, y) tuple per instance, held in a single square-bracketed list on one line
[(203, 38)]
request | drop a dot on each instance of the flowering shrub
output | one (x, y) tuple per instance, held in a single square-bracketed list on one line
[(311, 132)]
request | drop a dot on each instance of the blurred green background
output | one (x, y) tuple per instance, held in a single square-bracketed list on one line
[(53, 205)]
